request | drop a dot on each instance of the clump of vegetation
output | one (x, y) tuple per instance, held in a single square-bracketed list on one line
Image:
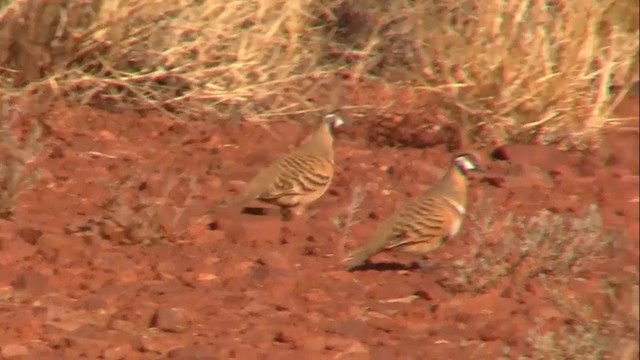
[(614, 335), (136, 214), (554, 252), (534, 70), (17, 154), (530, 246), (345, 222)]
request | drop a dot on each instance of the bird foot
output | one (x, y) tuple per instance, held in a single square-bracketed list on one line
[(286, 214), (289, 213), (313, 213), (427, 266)]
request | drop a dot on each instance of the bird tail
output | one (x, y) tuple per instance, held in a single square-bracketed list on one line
[(377, 244), (246, 195), (239, 201), (359, 256), (356, 258)]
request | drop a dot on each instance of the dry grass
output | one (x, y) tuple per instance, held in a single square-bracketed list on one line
[(137, 214), (18, 150), (530, 70), (345, 222)]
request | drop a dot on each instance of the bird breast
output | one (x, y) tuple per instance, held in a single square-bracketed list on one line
[(456, 211)]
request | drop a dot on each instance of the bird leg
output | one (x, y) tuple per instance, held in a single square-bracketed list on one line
[(286, 213), (426, 265), (299, 210)]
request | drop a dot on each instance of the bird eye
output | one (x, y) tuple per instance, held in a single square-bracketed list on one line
[(466, 164), (337, 121)]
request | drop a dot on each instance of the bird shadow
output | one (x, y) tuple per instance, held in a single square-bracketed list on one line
[(285, 214), (388, 266), (256, 211)]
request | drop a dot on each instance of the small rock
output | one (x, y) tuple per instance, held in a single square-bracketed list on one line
[(49, 247), (150, 344), (216, 235), (57, 152), (199, 229), (123, 325), (549, 312), (13, 250), (275, 260), (494, 180), (262, 229), (7, 227), (170, 320), (544, 157), (561, 171), (192, 352), (260, 272), (313, 344), (93, 302), (357, 348), (255, 307), (89, 346), (106, 135), (519, 182), (339, 276), (348, 348), (31, 281), (113, 232), (316, 297), (29, 235), (350, 328), (13, 350), (208, 277), (237, 185), (497, 329), (117, 352), (213, 142)]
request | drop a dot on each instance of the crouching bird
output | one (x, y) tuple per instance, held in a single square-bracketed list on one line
[(423, 224), (298, 178)]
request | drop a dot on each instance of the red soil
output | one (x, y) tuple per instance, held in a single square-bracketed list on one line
[(73, 282)]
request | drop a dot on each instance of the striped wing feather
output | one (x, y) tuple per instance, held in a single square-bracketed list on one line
[(298, 175), (421, 222)]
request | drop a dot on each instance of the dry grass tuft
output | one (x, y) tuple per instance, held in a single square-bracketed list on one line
[(19, 147), (345, 222), (534, 70), (135, 214)]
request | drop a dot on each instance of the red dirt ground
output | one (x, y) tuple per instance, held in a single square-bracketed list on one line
[(86, 273)]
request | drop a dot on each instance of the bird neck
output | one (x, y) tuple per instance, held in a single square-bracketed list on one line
[(454, 187), (320, 142)]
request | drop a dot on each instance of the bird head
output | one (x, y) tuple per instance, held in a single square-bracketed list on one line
[(467, 162), (334, 120)]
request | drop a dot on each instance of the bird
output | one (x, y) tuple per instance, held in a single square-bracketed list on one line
[(426, 222), (298, 178)]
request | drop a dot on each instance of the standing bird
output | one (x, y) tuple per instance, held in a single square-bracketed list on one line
[(298, 178), (423, 224)]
